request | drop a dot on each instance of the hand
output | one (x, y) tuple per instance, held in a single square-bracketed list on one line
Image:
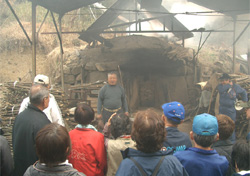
[(99, 116), (248, 114), (109, 121), (126, 113)]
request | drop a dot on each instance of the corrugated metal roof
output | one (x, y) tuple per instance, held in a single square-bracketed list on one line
[(63, 6)]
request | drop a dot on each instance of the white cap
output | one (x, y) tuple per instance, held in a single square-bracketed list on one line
[(41, 79)]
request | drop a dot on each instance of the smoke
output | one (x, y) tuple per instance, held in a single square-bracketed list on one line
[(213, 21), (209, 21)]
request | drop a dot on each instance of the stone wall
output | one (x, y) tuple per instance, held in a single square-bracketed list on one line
[(151, 70)]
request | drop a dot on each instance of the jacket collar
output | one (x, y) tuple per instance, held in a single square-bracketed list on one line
[(205, 152), (60, 168), (34, 107), (172, 129), (129, 152)]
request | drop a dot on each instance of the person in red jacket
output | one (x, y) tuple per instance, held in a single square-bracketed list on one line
[(88, 154)]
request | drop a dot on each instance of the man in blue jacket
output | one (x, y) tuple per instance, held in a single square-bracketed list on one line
[(202, 159), (174, 114), (229, 91)]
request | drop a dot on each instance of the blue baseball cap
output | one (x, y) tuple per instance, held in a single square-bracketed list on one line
[(205, 124), (174, 111)]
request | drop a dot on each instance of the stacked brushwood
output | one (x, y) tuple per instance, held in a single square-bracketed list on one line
[(84, 94), (12, 95)]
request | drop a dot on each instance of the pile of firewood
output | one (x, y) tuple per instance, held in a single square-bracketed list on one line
[(12, 95)]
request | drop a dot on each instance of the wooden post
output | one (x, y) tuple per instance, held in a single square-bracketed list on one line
[(61, 52), (33, 40)]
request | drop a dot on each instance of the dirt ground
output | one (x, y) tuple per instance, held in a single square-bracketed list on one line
[(16, 66)]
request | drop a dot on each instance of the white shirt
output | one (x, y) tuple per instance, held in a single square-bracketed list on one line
[(53, 111)]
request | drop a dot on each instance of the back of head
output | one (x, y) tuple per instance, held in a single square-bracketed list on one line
[(240, 155), (205, 129), (174, 112), (120, 125), (53, 144), (226, 126), (38, 93), (148, 131), (84, 114)]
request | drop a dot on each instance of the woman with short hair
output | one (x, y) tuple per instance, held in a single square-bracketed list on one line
[(88, 154), (149, 132), (117, 138), (52, 147)]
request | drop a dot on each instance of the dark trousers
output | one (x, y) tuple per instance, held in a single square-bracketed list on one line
[(106, 115)]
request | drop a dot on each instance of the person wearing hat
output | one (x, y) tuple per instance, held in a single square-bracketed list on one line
[(53, 111), (229, 91), (174, 114), (202, 159)]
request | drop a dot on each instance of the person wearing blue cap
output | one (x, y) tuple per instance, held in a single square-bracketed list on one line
[(202, 159), (174, 114), (229, 91)]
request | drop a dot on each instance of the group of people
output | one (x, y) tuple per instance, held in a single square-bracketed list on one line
[(150, 145)]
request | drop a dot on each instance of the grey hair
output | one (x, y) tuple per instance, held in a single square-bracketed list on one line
[(112, 73), (204, 141), (37, 93)]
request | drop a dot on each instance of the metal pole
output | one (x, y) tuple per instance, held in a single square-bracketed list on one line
[(235, 41), (234, 49), (33, 40), (61, 52), (136, 15), (19, 22), (183, 41), (248, 58)]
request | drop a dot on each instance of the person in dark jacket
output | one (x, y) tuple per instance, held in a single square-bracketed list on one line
[(6, 161), (229, 92), (26, 126), (149, 132), (202, 159), (174, 114), (240, 158), (53, 147), (224, 145)]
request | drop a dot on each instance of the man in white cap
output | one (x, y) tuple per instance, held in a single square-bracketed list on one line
[(52, 111)]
